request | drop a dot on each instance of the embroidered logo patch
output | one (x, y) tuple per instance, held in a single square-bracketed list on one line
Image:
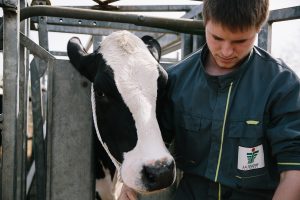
[(251, 158)]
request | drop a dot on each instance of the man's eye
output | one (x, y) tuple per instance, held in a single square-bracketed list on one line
[(239, 41), (218, 39)]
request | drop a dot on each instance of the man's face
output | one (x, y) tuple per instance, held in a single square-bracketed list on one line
[(228, 48)]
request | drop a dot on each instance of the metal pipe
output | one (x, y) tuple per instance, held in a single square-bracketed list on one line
[(141, 8), (179, 25), (35, 49), (61, 21), (284, 14), (11, 158)]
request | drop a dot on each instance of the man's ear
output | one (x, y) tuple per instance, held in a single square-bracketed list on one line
[(153, 46)]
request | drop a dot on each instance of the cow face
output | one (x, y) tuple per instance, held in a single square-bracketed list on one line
[(127, 83)]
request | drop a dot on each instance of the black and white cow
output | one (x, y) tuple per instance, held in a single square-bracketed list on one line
[(127, 84)]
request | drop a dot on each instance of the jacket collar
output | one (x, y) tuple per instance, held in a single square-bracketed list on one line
[(223, 81)]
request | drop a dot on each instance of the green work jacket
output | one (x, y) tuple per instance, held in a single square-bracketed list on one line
[(240, 129)]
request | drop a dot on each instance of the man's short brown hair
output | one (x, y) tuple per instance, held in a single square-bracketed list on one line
[(236, 14)]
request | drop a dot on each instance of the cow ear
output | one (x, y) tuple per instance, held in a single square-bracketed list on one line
[(86, 64), (153, 46), (75, 52)]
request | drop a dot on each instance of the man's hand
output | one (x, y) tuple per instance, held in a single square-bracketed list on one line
[(289, 186), (127, 193)]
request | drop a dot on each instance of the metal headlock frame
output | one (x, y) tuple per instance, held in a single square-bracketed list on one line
[(179, 25)]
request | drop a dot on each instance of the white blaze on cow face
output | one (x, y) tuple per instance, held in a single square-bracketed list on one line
[(135, 75)]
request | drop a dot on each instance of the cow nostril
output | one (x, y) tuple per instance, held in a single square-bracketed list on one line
[(149, 174), (158, 176)]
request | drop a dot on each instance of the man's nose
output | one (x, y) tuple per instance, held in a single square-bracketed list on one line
[(227, 49)]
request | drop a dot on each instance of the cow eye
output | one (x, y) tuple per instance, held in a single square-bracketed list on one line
[(100, 94)]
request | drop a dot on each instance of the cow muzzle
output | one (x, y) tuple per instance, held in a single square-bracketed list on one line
[(159, 175)]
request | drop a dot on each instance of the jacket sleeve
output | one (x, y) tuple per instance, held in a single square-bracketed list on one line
[(284, 128)]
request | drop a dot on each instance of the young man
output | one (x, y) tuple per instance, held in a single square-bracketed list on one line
[(233, 112)]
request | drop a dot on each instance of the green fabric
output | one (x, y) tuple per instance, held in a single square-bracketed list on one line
[(262, 122)]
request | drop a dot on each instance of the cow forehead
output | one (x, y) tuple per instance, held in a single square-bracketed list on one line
[(135, 74), (135, 70)]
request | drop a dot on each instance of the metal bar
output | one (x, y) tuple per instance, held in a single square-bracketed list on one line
[(194, 12), (22, 115), (186, 45), (284, 14), (140, 8), (264, 37), (167, 43), (59, 53), (35, 48), (30, 176), (42, 65), (38, 142), (10, 160), (43, 32), (168, 60), (89, 31), (198, 40), (96, 41), (156, 8), (171, 48), (60, 21), (178, 25), (80, 30)]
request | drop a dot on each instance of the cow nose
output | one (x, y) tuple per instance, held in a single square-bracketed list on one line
[(158, 176)]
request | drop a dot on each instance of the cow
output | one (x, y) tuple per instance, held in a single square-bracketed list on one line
[(127, 86)]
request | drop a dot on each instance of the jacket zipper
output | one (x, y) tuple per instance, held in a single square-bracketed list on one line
[(223, 130)]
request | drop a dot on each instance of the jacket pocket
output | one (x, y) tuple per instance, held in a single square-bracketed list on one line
[(190, 140), (248, 143)]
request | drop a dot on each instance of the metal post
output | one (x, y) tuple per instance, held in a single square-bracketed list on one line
[(12, 160), (186, 45), (22, 116), (41, 112), (264, 37), (42, 65), (96, 41), (198, 40)]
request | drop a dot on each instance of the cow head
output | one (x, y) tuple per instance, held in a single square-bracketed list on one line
[(128, 82)]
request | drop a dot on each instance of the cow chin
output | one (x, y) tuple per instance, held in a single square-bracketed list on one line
[(146, 175)]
